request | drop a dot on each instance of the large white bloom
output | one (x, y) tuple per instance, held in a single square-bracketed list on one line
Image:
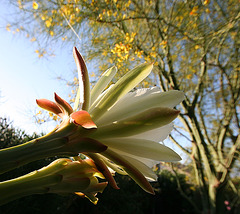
[(130, 124)]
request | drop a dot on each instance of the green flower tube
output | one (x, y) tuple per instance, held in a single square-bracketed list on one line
[(61, 176)]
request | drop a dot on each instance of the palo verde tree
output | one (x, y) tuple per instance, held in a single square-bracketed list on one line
[(194, 46)]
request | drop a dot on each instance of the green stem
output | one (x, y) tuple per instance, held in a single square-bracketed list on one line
[(16, 156), (62, 143)]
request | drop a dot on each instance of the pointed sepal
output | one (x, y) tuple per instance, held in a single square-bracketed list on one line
[(133, 172), (84, 84), (63, 104), (49, 106)]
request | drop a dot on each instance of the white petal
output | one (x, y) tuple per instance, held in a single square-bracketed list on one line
[(98, 99), (121, 88), (131, 169), (142, 122), (142, 148), (140, 100), (156, 135), (102, 83), (143, 168), (148, 162)]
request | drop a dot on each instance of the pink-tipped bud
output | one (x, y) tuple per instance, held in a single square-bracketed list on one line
[(63, 104), (49, 106)]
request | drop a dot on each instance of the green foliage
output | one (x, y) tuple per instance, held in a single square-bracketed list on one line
[(9, 136)]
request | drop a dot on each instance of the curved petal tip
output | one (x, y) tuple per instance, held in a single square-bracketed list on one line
[(83, 119), (64, 104), (49, 106)]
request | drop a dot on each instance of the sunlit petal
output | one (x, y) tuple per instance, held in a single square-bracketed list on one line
[(141, 100), (122, 87), (99, 98), (145, 121), (102, 83)]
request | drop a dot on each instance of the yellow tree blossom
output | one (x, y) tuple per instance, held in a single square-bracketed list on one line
[(194, 11), (206, 2), (35, 5), (8, 27), (48, 22)]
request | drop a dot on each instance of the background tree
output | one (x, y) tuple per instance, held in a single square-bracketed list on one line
[(195, 48)]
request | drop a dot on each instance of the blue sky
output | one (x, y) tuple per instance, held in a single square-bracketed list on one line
[(24, 77)]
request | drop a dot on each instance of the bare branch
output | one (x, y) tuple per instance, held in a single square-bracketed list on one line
[(177, 144)]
